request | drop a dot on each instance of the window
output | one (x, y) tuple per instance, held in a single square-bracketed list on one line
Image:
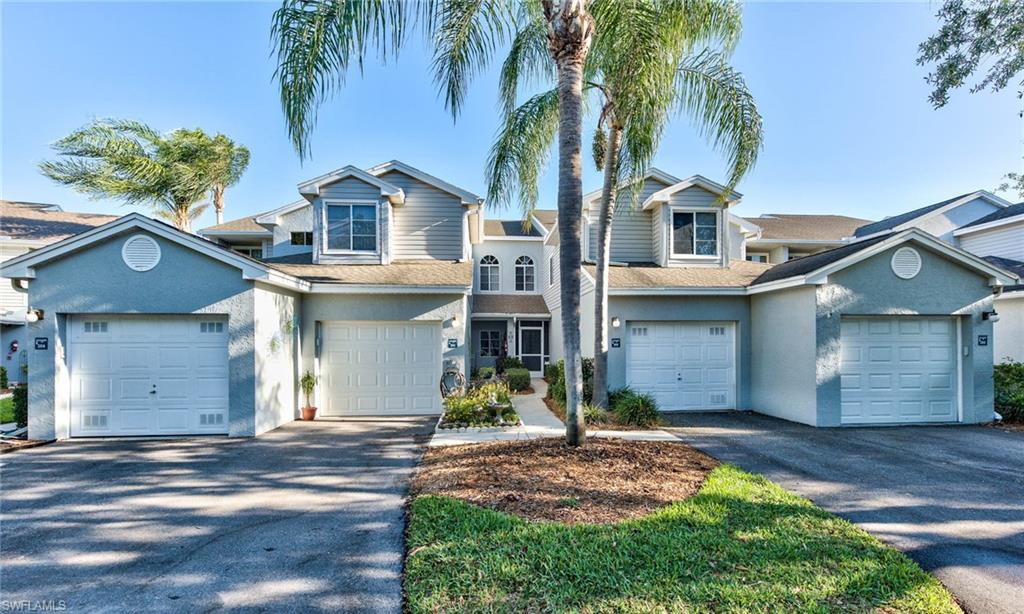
[(351, 228), (302, 238), (694, 233), (757, 257), (211, 327), (95, 327), (490, 343), (490, 274), (551, 270), (524, 274), (251, 251)]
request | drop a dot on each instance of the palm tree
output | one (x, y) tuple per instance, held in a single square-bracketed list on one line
[(641, 70), (227, 163), (129, 161), (317, 41)]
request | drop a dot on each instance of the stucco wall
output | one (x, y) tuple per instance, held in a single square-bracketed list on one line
[(941, 288), (96, 280), (681, 309), (1008, 332), (276, 337), (507, 252), (386, 308), (783, 350)]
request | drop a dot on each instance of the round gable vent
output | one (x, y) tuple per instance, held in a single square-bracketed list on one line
[(140, 253), (906, 263)]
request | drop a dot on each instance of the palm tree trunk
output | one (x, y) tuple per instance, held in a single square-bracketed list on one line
[(218, 202), (604, 239), (569, 34)]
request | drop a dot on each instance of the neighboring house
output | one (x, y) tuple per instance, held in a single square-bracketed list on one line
[(380, 279), (785, 236), (985, 225), (24, 227)]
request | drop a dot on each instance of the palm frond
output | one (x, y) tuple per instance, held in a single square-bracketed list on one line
[(528, 63), (521, 151)]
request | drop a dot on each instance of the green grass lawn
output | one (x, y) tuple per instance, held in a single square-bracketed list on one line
[(741, 544), (6, 410)]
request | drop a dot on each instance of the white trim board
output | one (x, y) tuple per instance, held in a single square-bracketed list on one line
[(1013, 219)]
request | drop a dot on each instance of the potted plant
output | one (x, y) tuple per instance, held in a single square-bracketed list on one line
[(308, 384)]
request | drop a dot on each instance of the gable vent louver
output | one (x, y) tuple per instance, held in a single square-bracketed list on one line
[(906, 263), (140, 253)]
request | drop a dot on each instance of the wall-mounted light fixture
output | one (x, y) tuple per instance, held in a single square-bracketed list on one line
[(33, 315), (991, 316), (616, 322)]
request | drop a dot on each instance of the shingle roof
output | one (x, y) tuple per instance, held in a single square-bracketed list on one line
[(547, 217), (508, 228), (401, 273), (807, 264), (1010, 211), (510, 303), (740, 274), (795, 227), (892, 222), (39, 222), (242, 224), (1014, 266)]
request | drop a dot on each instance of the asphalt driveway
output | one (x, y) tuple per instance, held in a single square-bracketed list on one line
[(306, 517), (951, 497)]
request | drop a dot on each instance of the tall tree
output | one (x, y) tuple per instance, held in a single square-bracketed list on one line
[(642, 69), (227, 162), (317, 41), (129, 161), (977, 35)]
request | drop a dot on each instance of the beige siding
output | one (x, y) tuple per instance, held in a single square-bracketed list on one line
[(631, 227), (1004, 241), (429, 225)]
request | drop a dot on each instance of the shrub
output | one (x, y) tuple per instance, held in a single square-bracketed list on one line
[(1008, 379), (3, 377), (485, 372), (636, 409), (496, 392), (485, 405), (551, 371), (518, 379), (556, 381), (504, 363), (593, 414), (21, 405)]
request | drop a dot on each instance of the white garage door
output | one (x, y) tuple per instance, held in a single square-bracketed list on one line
[(148, 375), (899, 370), (381, 368), (685, 365)]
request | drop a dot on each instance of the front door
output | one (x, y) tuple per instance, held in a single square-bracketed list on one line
[(531, 348)]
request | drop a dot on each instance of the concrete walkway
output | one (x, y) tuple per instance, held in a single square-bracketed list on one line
[(537, 421)]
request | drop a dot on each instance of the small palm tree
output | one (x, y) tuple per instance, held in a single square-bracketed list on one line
[(317, 41), (131, 162), (642, 69)]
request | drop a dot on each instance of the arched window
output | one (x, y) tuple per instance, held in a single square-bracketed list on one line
[(524, 274), (490, 274)]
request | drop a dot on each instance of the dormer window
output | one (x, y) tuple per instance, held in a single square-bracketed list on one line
[(694, 233), (490, 274), (524, 274), (350, 228)]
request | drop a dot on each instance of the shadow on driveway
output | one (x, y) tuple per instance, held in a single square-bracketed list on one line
[(951, 497), (307, 517)]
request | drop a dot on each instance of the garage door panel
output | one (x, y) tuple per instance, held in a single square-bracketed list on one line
[(909, 374), (148, 375), (377, 368)]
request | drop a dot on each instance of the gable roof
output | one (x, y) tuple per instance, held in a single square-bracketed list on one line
[(1008, 264), (1008, 215), (509, 228), (43, 222), (799, 227), (468, 198), (311, 188), (652, 173), (895, 222), (816, 267), (546, 217), (243, 225), (662, 196)]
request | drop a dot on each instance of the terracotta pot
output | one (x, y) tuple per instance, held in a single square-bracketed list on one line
[(308, 413)]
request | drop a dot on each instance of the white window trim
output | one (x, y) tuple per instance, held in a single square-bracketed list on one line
[(672, 238), (349, 203), (479, 274), (515, 274)]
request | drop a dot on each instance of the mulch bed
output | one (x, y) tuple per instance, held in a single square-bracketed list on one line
[(604, 481), (11, 445), (1007, 426), (595, 426)]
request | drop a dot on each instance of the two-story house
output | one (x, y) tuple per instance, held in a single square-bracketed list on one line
[(378, 280)]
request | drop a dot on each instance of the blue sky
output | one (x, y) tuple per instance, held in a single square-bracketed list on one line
[(849, 129)]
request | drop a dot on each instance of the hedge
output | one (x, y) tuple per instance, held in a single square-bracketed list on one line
[(1009, 390)]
